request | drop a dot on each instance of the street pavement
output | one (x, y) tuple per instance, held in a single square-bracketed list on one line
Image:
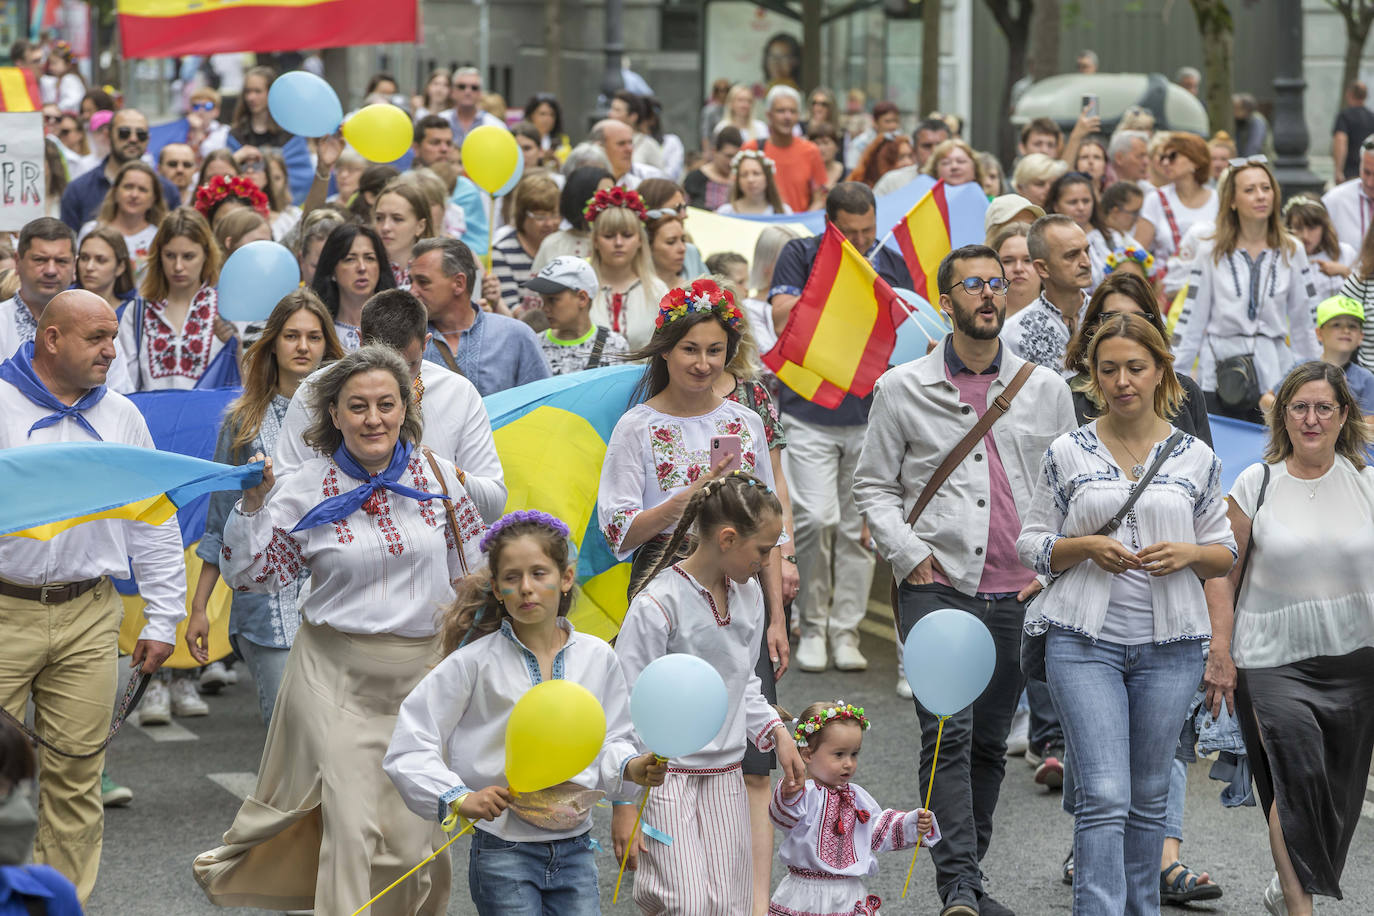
[(188, 779)]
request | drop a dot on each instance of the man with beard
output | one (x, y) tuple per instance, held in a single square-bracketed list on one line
[(1040, 332), (128, 141), (961, 552)]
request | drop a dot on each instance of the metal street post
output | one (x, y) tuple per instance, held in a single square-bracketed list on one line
[(1290, 124)]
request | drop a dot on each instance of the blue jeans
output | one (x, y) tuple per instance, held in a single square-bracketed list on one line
[(1122, 708), (267, 664), (530, 879)]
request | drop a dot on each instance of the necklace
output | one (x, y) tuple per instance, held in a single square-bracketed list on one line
[(1311, 485), (1137, 469)]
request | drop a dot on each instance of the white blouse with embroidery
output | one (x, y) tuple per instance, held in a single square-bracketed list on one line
[(390, 570), (834, 831), (653, 455), (164, 357), (674, 613)]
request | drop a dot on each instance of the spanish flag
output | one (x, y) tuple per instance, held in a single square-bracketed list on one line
[(18, 90), (923, 236), (172, 28), (841, 332)]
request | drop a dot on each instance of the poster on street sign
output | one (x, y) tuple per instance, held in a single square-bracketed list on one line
[(22, 184)]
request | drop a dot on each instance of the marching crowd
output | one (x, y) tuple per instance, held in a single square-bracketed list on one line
[(1046, 466)]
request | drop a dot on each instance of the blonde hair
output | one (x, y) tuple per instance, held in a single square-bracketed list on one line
[(944, 148), (235, 224), (1227, 233), (624, 221), (411, 191), (1353, 440), (1036, 167)]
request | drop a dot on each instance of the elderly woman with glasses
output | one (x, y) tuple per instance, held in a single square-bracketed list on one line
[(1302, 639)]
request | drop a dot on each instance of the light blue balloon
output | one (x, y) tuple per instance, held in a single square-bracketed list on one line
[(678, 705), (254, 280), (304, 104), (514, 178), (916, 332), (949, 656)]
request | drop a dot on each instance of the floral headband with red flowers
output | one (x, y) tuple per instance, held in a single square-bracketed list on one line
[(614, 197), (701, 296), (223, 187)]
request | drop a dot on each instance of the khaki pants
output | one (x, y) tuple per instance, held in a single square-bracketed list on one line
[(64, 656)]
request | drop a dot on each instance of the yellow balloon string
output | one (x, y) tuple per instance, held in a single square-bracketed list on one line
[(934, 760), (448, 824), (629, 845), (491, 229)]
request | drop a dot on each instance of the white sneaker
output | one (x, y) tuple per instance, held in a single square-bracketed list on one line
[(156, 708), (903, 688), (810, 654), (1273, 897), (231, 676), (186, 703), (848, 657), (1018, 737), (213, 677)]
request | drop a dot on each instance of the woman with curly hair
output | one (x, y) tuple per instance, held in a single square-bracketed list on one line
[(892, 150)]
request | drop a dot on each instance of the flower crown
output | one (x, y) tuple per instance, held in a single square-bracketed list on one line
[(223, 187), (614, 197), (701, 296), (542, 519), (1132, 253), (841, 710), (755, 154)]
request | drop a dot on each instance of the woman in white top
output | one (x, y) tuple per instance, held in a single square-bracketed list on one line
[(437, 96), (284, 213), (1250, 298), (1303, 641), (325, 828), (1173, 209), (628, 290), (754, 190), (1331, 259), (401, 217), (1124, 620), (134, 207), (739, 114)]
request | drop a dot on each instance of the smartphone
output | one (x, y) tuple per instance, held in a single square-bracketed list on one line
[(1089, 106), (723, 447)]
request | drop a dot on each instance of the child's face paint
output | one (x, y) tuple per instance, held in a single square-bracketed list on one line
[(530, 582)]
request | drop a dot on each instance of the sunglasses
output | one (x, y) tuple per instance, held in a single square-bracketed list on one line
[(252, 165), (125, 133), (1170, 156), (1239, 161), (469, 87), (182, 164), (52, 119), (202, 106)]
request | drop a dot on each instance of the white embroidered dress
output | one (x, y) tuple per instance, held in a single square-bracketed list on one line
[(163, 357)]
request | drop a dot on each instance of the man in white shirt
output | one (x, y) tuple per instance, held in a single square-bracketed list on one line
[(617, 139), (46, 264), (1040, 332), (455, 422), (961, 553), (60, 609), (1351, 203)]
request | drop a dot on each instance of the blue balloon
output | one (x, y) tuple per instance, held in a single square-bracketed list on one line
[(514, 178), (917, 331), (254, 280), (678, 705), (304, 104), (949, 656)]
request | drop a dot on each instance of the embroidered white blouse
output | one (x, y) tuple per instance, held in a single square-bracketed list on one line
[(653, 455), (1081, 488), (388, 572), (163, 357), (450, 736), (674, 613), (838, 831), (635, 312)]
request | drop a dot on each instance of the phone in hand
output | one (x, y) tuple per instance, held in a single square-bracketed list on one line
[(1090, 106), (723, 447)]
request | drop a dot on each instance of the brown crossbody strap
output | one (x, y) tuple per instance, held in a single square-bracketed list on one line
[(999, 406), (448, 508)]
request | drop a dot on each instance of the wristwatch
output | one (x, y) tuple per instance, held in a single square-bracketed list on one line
[(791, 558)]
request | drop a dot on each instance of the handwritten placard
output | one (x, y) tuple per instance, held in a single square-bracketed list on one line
[(22, 182)]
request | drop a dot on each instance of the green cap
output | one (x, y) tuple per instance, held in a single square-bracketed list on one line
[(1337, 306)]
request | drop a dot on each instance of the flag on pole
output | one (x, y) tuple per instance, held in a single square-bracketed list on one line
[(18, 90), (923, 237), (841, 332)]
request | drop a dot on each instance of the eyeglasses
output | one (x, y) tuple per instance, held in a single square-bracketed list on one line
[(1239, 161), (52, 119), (125, 133), (1169, 157), (202, 106), (1324, 410), (974, 285)]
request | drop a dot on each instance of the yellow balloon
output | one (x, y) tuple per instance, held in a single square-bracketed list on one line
[(380, 133), (555, 732), (489, 157)]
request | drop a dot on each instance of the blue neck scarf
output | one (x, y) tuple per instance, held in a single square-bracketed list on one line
[(18, 371), (337, 508)]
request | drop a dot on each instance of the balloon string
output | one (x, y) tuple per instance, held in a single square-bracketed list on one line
[(929, 788), (432, 855), (491, 228), (630, 845)]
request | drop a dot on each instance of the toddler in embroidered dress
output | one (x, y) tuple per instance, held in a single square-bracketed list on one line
[(833, 827)]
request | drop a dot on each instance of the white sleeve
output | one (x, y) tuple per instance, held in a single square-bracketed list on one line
[(1245, 491), (1191, 330), (1043, 525), (159, 564), (464, 557), (260, 554), (1210, 525), (620, 496), (643, 637), (476, 456), (619, 746), (291, 451), (1302, 309), (878, 488), (760, 718), (124, 375), (428, 718)]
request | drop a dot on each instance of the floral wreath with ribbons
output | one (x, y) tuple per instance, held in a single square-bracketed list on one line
[(702, 295), (224, 187), (1130, 253), (756, 155), (542, 519), (614, 197), (841, 710)]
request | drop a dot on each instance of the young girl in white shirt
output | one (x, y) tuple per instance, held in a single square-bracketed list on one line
[(709, 605), (831, 827), (503, 635)]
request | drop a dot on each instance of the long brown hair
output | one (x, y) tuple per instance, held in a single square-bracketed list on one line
[(770, 192), (1303, 212), (123, 282), (109, 207), (880, 158), (243, 118), (478, 611), (261, 374), (1354, 437), (1120, 282), (184, 222), (1228, 220)]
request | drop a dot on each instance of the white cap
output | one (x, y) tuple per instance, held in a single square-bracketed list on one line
[(565, 272), (1003, 209)]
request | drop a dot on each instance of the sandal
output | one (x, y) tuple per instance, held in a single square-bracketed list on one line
[(1185, 887), (1067, 873)]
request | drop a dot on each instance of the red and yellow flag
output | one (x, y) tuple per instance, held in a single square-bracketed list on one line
[(18, 90), (841, 332), (923, 237), (171, 28)]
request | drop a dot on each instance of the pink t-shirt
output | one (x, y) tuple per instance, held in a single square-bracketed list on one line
[(1002, 569)]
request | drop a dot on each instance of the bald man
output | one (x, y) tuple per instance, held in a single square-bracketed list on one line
[(60, 610), (618, 140)]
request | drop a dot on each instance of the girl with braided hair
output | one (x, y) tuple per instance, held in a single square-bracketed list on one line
[(709, 605)]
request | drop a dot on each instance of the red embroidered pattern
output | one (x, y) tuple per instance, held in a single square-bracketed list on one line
[(185, 353), (281, 559), (835, 838), (865, 907), (387, 526), (421, 482), (469, 520), (226, 552), (721, 621), (330, 487), (886, 821)]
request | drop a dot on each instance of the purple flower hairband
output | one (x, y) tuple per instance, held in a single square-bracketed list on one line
[(543, 519)]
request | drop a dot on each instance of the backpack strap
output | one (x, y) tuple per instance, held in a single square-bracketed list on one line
[(602, 334)]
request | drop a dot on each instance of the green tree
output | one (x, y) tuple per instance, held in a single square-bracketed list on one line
[(1218, 40), (1358, 16)]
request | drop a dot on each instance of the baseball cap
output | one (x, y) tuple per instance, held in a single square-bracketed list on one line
[(1002, 209), (1337, 306), (565, 272)]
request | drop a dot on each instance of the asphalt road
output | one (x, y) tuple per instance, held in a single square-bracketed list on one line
[(188, 780)]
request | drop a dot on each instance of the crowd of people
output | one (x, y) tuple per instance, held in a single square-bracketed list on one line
[(1046, 467)]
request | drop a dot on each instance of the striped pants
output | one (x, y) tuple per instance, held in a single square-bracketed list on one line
[(707, 870)]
